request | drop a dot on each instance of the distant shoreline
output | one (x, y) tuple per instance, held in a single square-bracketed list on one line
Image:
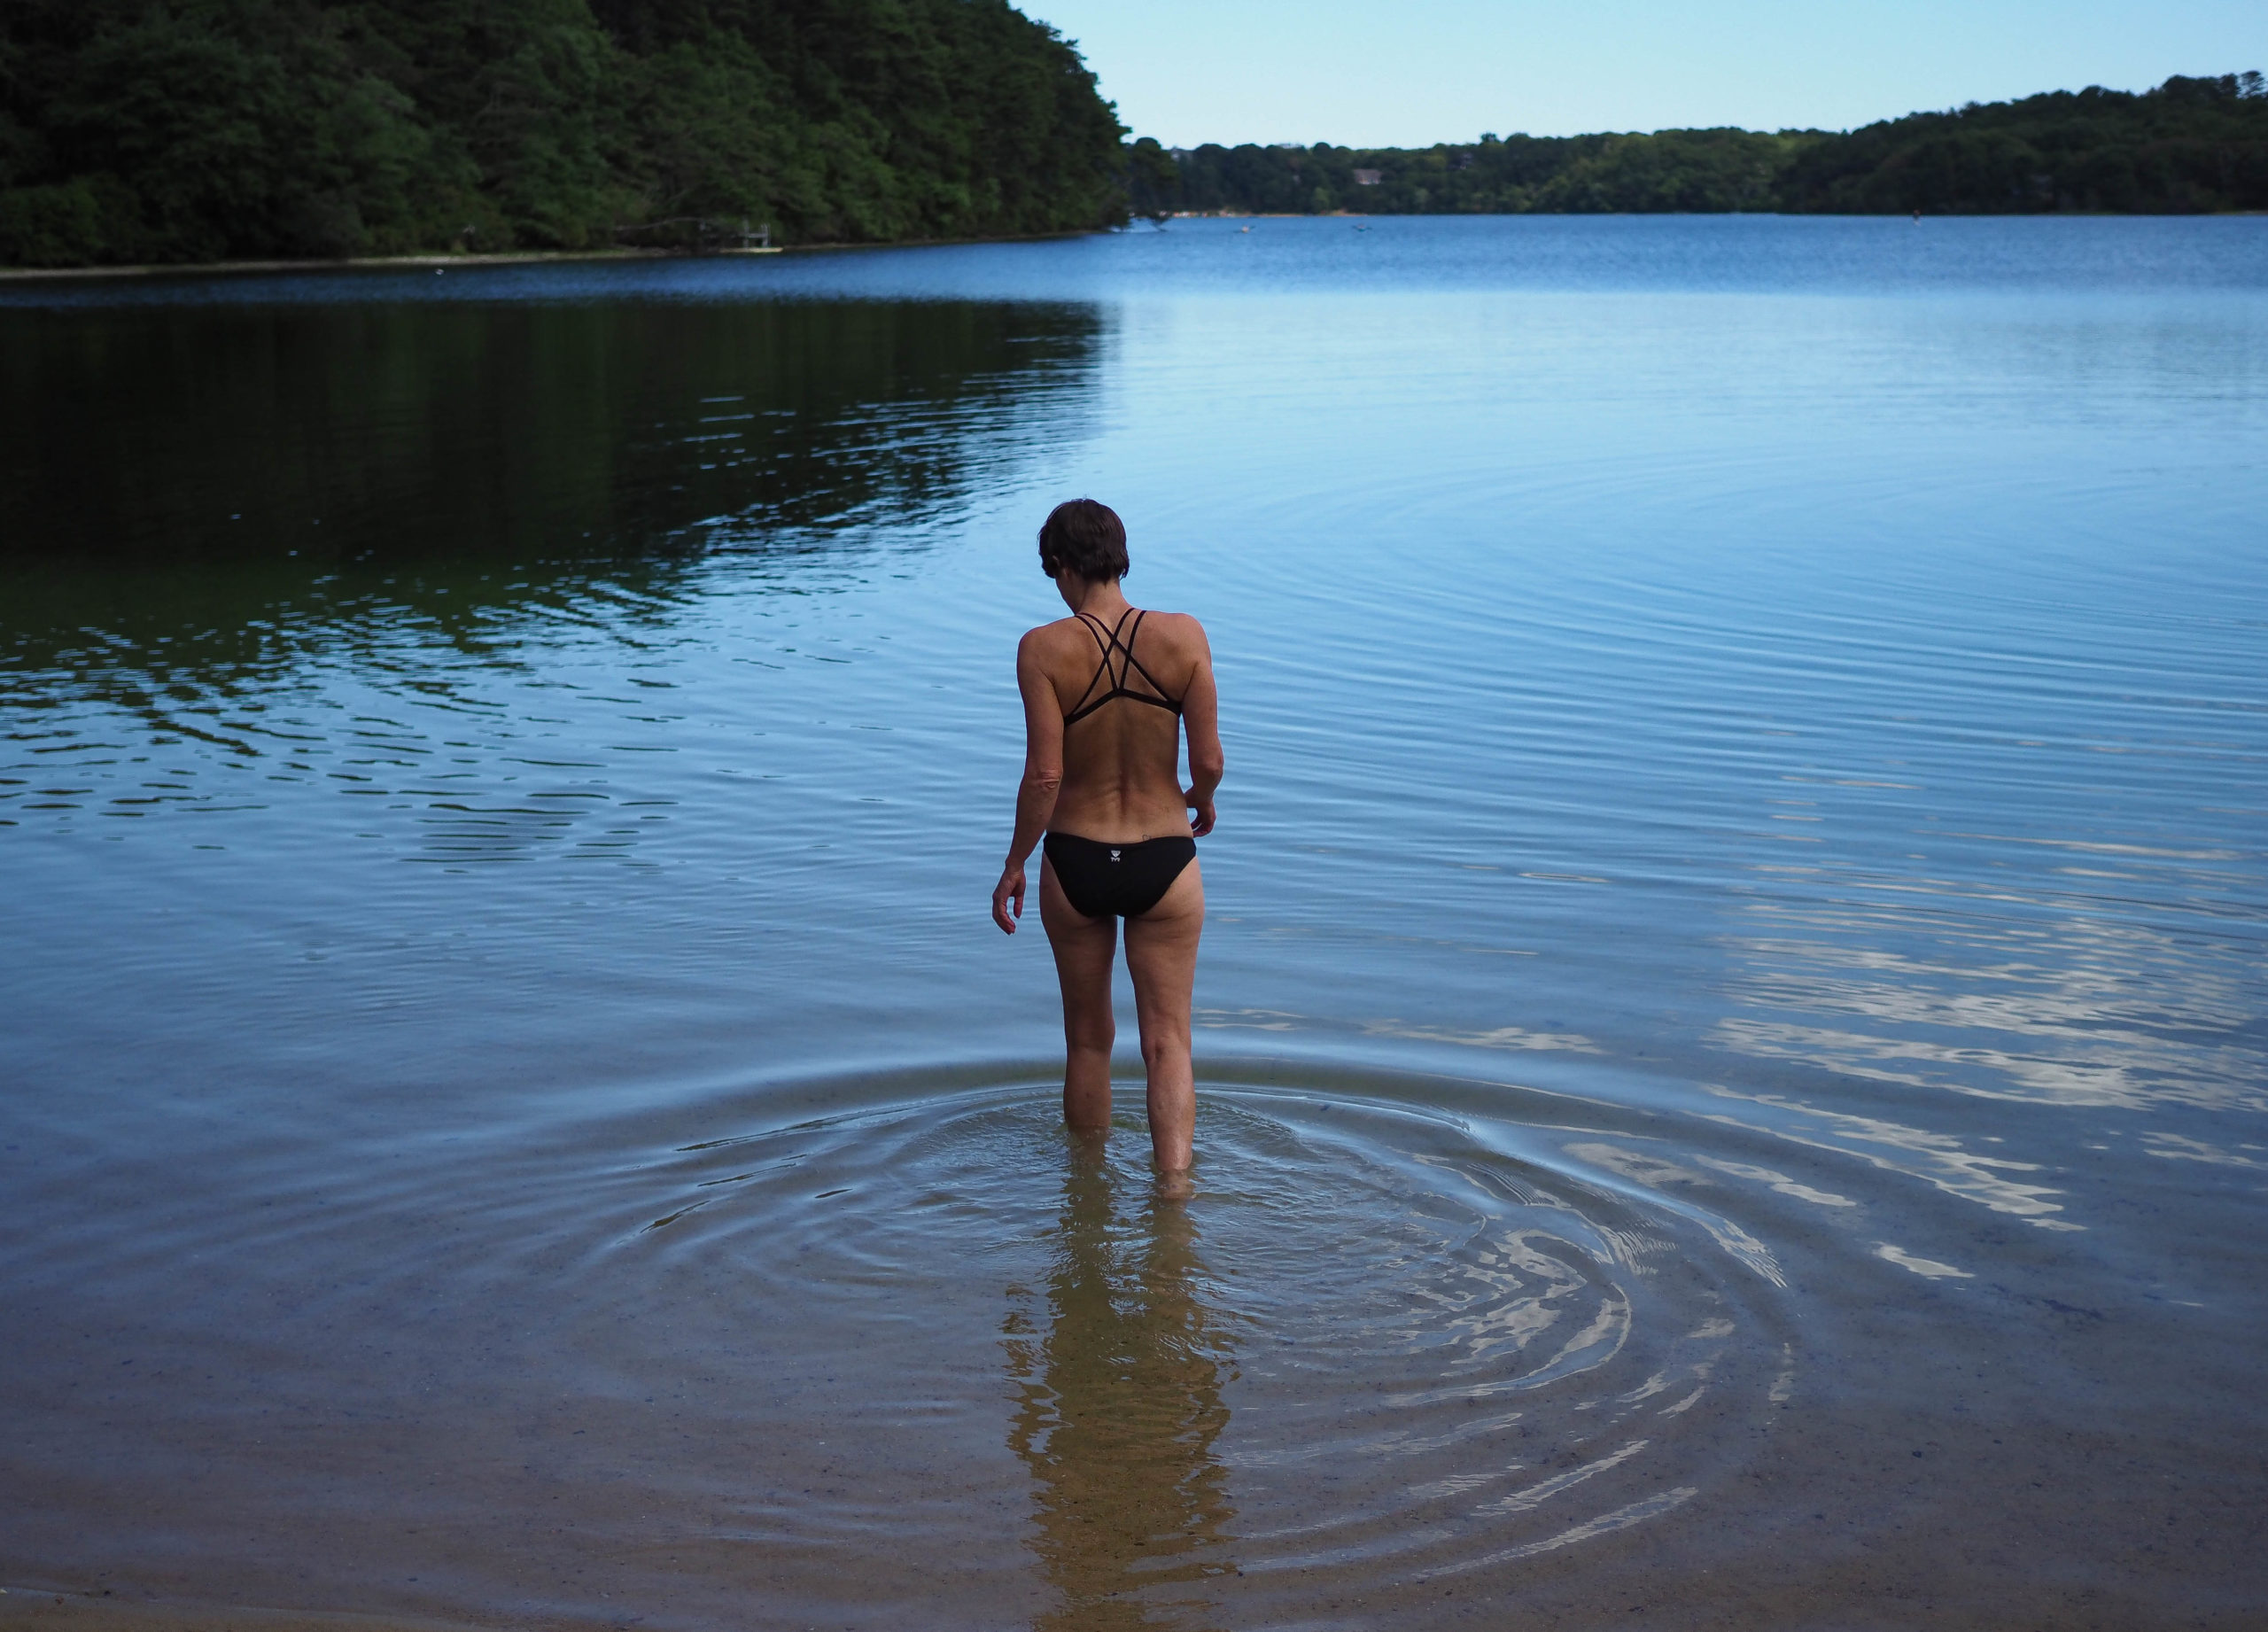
[(445, 262), (442, 262), (1233, 214), (359, 263), (2192, 146)]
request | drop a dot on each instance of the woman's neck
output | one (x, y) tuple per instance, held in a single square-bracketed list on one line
[(1102, 599)]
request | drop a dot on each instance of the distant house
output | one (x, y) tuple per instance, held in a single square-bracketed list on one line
[(1369, 178)]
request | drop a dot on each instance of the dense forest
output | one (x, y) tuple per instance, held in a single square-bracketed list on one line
[(185, 130), (2191, 145)]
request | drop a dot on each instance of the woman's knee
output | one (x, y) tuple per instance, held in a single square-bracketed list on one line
[(1092, 1032), (1164, 1045)]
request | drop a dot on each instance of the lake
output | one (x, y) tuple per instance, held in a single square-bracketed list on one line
[(1732, 1069)]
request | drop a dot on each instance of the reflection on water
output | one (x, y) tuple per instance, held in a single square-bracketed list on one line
[(1116, 1367), (417, 432), (407, 552), (2078, 1008)]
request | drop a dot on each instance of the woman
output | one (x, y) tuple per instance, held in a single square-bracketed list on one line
[(1106, 693)]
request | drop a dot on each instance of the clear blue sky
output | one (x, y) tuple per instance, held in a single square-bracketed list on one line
[(1371, 74)]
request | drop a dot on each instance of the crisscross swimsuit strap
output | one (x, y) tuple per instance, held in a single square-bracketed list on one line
[(1118, 664)]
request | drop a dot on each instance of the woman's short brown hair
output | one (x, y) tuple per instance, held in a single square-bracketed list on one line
[(1083, 539)]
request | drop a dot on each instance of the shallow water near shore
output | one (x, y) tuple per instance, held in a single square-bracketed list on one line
[(1732, 1083)]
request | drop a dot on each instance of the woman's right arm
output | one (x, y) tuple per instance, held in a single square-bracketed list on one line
[(1043, 779), (1200, 716)]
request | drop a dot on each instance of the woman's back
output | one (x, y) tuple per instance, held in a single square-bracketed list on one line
[(1121, 684)]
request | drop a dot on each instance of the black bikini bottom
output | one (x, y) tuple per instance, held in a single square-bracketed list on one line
[(1117, 880)]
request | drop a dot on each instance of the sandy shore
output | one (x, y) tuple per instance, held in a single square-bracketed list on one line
[(358, 264), (26, 1608), (443, 262)]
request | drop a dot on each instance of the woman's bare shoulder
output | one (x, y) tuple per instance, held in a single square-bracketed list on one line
[(1179, 628), (1048, 633)]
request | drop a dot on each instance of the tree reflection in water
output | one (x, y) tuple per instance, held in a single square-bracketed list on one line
[(1117, 1366)]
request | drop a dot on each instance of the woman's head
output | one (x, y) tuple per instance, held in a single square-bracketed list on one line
[(1085, 540)]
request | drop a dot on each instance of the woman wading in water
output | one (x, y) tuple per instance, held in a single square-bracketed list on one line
[(1106, 693)]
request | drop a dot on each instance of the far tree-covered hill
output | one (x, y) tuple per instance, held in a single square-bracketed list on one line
[(2191, 145), (174, 130)]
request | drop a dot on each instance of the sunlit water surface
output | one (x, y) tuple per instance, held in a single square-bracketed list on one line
[(1732, 1041)]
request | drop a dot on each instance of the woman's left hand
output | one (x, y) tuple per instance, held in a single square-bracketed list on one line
[(1008, 899)]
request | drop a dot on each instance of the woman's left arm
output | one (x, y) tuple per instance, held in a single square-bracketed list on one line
[(1200, 717), (1043, 779)]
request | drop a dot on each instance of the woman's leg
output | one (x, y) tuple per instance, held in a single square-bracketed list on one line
[(1162, 956), (1084, 948)]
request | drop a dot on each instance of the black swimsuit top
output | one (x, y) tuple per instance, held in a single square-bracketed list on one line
[(1128, 665)]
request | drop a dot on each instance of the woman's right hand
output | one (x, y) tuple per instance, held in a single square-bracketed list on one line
[(1201, 823)]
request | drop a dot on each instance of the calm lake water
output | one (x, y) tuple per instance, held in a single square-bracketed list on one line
[(1734, 1089)]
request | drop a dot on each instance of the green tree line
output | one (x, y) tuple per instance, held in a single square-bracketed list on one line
[(2189, 146), (188, 130)]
